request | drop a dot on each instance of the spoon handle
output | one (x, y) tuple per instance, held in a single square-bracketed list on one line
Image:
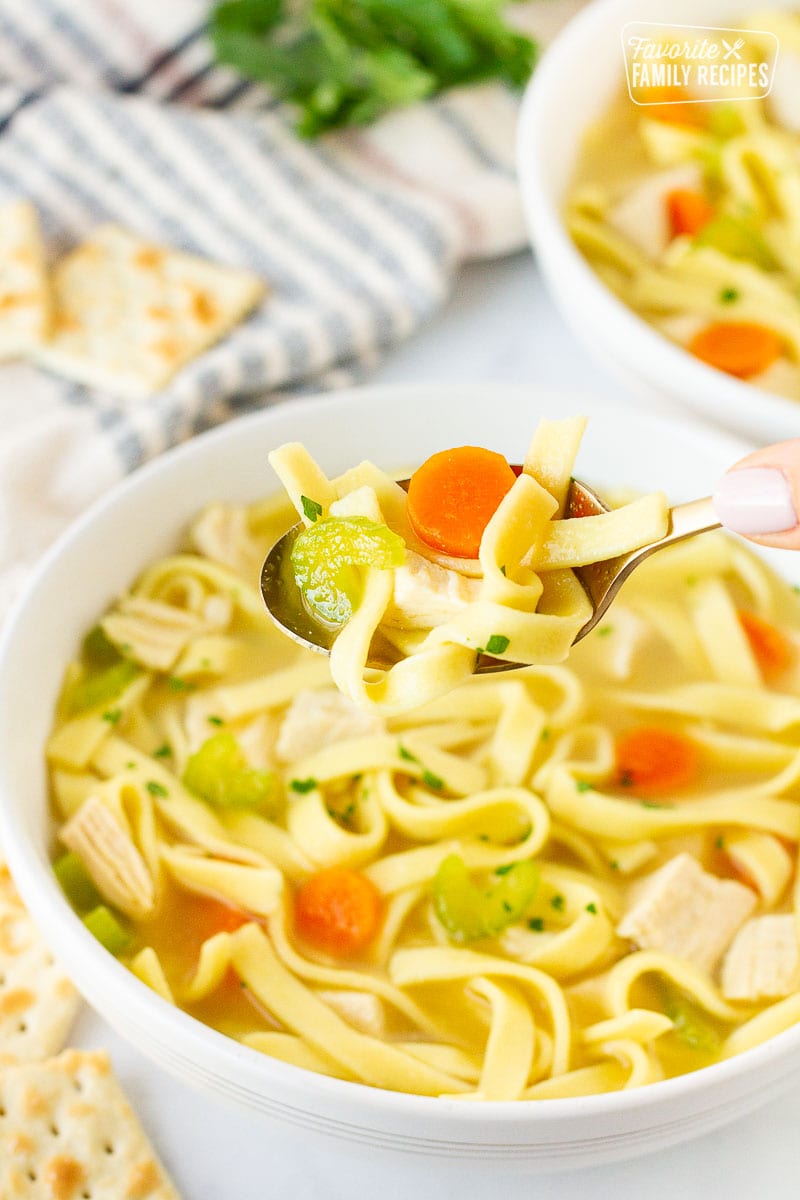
[(604, 580)]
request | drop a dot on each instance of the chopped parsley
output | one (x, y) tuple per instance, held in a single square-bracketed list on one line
[(164, 751), (536, 924), (504, 869), (155, 788), (503, 569), (435, 782), (591, 907), (215, 721), (557, 902), (545, 734), (113, 716), (655, 804), (583, 785), (497, 644), (303, 785), (720, 842), (311, 508), (614, 865), (176, 684), (605, 630), (508, 907), (728, 295), (406, 754)]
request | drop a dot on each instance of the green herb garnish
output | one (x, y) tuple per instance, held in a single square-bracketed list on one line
[(497, 644), (164, 751), (311, 508), (341, 63), (728, 295), (155, 788), (432, 781), (583, 785), (301, 786)]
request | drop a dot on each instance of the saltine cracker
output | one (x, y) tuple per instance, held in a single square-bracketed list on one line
[(67, 1130), (128, 314), (38, 1003), (24, 290)]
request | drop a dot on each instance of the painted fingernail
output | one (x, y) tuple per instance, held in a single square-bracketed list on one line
[(755, 500)]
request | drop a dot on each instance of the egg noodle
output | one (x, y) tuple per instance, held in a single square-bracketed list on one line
[(550, 999), (529, 598)]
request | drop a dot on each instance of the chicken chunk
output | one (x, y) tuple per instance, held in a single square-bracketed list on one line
[(426, 595), (315, 720), (683, 910), (762, 962), (111, 857), (641, 216), (363, 1010)]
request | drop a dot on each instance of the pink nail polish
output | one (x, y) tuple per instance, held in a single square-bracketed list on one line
[(755, 500)]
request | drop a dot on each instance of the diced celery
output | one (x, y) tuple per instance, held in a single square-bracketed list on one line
[(219, 774), (691, 1024), (76, 882), (109, 931), (100, 687), (98, 650), (724, 121), (737, 238), (467, 912), (326, 558)]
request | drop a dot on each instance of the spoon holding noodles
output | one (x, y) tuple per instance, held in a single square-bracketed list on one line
[(469, 566)]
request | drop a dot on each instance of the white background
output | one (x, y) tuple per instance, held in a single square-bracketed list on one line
[(500, 326)]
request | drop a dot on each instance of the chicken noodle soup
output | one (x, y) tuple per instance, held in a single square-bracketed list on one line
[(571, 879), (690, 213), (474, 559)]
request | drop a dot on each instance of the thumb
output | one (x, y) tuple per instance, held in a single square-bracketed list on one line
[(759, 497)]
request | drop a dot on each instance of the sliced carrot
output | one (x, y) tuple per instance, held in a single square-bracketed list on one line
[(338, 911), (209, 916), (652, 761), (688, 211), (772, 650), (453, 496), (672, 106), (740, 348)]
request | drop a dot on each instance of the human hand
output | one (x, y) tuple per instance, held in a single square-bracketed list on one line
[(759, 497)]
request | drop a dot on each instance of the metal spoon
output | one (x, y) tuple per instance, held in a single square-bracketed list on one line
[(601, 580)]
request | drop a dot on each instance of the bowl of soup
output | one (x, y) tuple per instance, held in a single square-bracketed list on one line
[(664, 229), (549, 949)]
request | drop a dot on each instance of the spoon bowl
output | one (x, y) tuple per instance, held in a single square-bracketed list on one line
[(600, 580)]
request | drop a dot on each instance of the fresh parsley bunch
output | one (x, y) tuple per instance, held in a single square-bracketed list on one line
[(347, 62)]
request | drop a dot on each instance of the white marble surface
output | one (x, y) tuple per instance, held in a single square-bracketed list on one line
[(499, 326)]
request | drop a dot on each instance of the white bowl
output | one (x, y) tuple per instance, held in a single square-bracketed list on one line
[(141, 520), (571, 89)]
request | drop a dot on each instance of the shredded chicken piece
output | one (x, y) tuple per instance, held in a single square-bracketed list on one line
[(110, 856), (683, 910)]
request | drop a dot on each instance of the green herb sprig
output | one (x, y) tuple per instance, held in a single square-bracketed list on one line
[(343, 64)]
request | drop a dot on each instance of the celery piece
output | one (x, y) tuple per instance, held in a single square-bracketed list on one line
[(467, 912), (691, 1025), (737, 238), (75, 881), (724, 121), (219, 774), (100, 687), (109, 931), (327, 555), (98, 650)]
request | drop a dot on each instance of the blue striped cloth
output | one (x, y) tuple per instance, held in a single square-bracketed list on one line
[(115, 111)]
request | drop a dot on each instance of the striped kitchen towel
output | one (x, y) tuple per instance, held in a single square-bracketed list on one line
[(115, 111)]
